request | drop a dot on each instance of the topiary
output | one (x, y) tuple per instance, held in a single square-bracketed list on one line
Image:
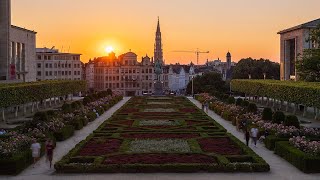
[(245, 103), (267, 114), (75, 105), (66, 108), (239, 102), (252, 107), (41, 116), (278, 117), (231, 100), (292, 120), (86, 100)]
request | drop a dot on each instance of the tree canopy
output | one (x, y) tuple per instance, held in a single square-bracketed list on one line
[(308, 64), (208, 82), (257, 69)]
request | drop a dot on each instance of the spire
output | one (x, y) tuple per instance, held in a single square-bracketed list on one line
[(158, 27)]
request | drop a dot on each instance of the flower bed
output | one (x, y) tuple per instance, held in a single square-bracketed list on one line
[(185, 140)]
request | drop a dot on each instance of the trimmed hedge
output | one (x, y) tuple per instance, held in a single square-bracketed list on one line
[(65, 133), (267, 114), (306, 93), (270, 141), (278, 117), (298, 158), (292, 120), (21, 93)]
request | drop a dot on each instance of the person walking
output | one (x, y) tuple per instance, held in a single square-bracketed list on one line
[(247, 136), (206, 105), (35, 148), (254, 135), (49, 151), (202, 104)]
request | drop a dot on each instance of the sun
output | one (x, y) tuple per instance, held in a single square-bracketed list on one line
[(109, 49)]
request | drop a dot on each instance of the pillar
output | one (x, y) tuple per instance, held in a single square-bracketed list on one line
[(3, 114), (305, 108), (16, 111)]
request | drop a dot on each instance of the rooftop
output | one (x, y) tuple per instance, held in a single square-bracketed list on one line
[(23, 29), (311, 24)]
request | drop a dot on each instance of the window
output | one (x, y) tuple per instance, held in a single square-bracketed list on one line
[(39, 73), (75, 66), (50, 73), (39, 57), (55, 65), (47, 65), (45, 58), (69, 65), (55, 73), (62, 73), (39, 65), (70, 73), (47, 74), (75, 72), (50, 65), (49, 57), (62, 65)]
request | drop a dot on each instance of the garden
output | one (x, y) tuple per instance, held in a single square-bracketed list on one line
[(58, 125), (283, 133), (160, 134)]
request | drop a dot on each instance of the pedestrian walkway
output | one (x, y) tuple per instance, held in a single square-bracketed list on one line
[(280, 169)]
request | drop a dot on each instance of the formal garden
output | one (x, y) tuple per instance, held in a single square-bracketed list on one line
[(160, 134), (285, 135), (58, 125)]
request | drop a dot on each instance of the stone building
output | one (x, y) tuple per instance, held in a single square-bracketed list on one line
[(52, 64), (17, 49), (224, 68), (124, 74), (292, 43), (179, 77)]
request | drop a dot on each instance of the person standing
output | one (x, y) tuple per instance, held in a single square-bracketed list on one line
[(254, 135), (247, 136), (35, 148), (49, 151)]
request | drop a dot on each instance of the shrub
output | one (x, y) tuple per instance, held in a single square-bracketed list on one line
[(278, 117), (41, 116), (109, 92), (64, 133), (51, 113), (301, 160), (226, 115), (245, 103), (292, 120), (231, 100), (267, 114), (100, 110), (252, 107), (239, 102), (86, 100), (67, 108), (91, 116), (75, 105), (77, 123)]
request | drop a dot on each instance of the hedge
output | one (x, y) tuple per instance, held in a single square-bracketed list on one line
[(21, 93), (298, 158), (306, 93), (64, 133), (270, 141)]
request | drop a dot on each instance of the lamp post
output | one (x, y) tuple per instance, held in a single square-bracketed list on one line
[(192, 91), (264, 76)]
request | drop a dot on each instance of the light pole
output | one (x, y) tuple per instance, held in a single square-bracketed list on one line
[(192, 93)]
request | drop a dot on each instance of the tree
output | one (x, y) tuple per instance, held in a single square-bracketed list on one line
[(257, 69), (308, 64), (208, 82)]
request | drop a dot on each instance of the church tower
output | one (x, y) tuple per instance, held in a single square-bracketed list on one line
[(5, 24), (228, 61), (158, 54)]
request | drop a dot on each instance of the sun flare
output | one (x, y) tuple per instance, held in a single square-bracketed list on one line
[(109, 49)]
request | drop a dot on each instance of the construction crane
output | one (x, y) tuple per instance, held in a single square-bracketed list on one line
[(196, 52)]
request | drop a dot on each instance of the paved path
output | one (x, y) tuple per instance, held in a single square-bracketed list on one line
[(280, 169)]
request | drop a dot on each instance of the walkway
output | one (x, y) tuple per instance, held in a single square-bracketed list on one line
[(280, 169)]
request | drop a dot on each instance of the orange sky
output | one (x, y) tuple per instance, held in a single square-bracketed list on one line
[(248, 28)]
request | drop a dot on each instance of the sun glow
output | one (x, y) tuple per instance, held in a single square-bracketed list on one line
[(109, 49)]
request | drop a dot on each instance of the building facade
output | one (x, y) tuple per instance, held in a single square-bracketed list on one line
[(89, 74), (292, 43), (124, 74), (52, 64), (17, 49), (179, 77)]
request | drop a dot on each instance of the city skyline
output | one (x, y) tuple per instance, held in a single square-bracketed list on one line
[(214, 26)]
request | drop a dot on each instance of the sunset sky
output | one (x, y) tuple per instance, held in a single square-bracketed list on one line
[(248, 28)]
